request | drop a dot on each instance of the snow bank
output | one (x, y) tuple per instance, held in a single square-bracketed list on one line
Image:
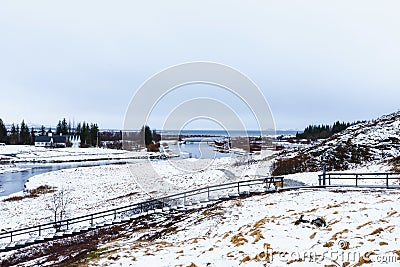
[(21, 153)]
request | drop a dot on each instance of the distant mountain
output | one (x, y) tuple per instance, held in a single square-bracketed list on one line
[(376, 141)]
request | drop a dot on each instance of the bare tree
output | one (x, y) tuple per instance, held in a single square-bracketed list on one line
[(59, 203)]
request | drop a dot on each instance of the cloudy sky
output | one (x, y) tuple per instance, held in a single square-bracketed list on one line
[(314, 61)]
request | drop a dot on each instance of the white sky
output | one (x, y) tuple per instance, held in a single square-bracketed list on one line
[(315, 61)]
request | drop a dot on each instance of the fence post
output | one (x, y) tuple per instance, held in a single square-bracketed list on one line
[(184, 199), (238, 187), (356, 180), (40, 230), (324, 175), (115, 214), (11, 235), (329, 178), (208, 192), (387, 180), (91, 220), (67, 224)]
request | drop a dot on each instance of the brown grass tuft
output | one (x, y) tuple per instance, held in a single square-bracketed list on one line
[(260, 223), (377, 231), (15, 198), (335, 236), (364, 259), (295, 260), (328, 244), (257, 236), (260, 256), (313, 235), (245, 259), (239, 240), (362, 225), (390, 214)]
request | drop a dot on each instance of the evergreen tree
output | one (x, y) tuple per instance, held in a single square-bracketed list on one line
[(33, 137), (58, 128), (146, 135), (85, 133), (69, 128), (14, 135), (64, 127), (78, 129), (24, 134), (94, 131), (42, 131), (3, 132)]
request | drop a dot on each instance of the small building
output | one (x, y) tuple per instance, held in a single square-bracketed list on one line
[(57, 141)]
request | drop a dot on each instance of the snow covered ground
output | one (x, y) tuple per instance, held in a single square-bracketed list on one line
[(99, 188), (11, 168), (311, 178), (20, 153), (246, 232), (363, 226)]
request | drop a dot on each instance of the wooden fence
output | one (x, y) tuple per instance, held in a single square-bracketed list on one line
[(380, 180)]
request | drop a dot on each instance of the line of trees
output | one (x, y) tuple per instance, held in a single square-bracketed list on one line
[(314, 132), (21, 134), (89, 134)]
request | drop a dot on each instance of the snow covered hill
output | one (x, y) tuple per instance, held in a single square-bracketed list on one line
[(373, 142)]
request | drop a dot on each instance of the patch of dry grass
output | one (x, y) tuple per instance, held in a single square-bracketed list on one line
[(41, 190), (363, 225), (239, 240), (257, 235), (377, 231)]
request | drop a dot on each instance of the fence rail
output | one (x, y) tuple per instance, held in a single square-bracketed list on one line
[(61, 227), (383, 180)]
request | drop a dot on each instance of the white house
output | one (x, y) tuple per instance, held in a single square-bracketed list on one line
[(57, 141)]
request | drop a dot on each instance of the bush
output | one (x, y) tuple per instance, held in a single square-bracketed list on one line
[(291, 165), (153, 147)]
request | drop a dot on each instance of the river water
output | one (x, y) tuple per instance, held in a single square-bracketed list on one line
[(12, 182)]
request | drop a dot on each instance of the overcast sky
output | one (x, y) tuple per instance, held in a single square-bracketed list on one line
[(315, 61)]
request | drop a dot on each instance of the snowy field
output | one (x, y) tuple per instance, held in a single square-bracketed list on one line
[(20, 153), (363, 226)]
